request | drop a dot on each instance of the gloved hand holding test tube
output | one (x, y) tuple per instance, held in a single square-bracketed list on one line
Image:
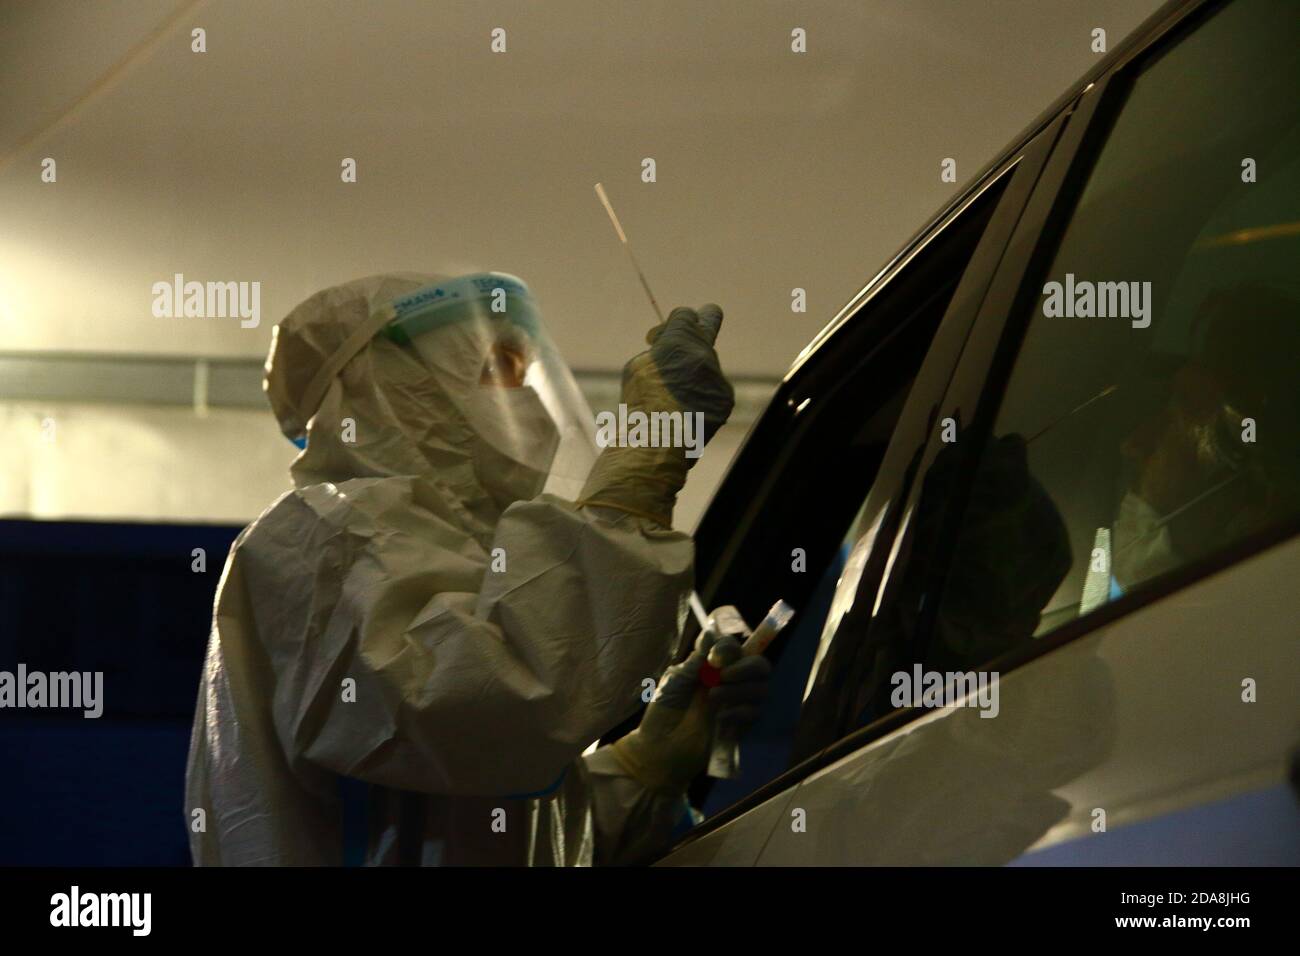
[(727, 622)]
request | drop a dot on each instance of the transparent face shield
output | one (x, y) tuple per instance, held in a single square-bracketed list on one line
[(482, 338)]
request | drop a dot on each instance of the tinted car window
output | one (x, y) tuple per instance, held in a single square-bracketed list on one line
[(1152, 417)]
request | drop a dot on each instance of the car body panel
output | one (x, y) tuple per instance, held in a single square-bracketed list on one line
[(1141, 718), (1256, 828)]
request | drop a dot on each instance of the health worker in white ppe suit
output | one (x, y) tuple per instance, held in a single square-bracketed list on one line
[(458, 597)]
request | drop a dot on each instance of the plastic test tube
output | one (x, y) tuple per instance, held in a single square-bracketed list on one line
[(768, 628), (756, 643), (724, 755)]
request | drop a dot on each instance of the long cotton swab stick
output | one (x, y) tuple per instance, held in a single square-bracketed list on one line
[(697, 607), (622, 237)]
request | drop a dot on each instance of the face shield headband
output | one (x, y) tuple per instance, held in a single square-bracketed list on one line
[(421, 311)]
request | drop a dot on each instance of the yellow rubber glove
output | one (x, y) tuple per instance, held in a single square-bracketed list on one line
[(671, 747), (679, 373)]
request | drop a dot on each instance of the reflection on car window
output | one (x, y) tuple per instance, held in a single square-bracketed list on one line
[(1153, 415)]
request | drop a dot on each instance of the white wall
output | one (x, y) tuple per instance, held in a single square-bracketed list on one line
[(775, 170), (142, 463)]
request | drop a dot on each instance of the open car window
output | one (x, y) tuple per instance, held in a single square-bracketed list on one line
[(820, 451)]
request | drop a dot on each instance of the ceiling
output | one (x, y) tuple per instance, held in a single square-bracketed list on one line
[(775, 170)]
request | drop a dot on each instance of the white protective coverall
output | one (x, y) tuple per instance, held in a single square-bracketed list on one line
[(367, 626)]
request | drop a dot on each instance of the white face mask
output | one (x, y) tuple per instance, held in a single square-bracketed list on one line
[(514, 442), (1143, 549)]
